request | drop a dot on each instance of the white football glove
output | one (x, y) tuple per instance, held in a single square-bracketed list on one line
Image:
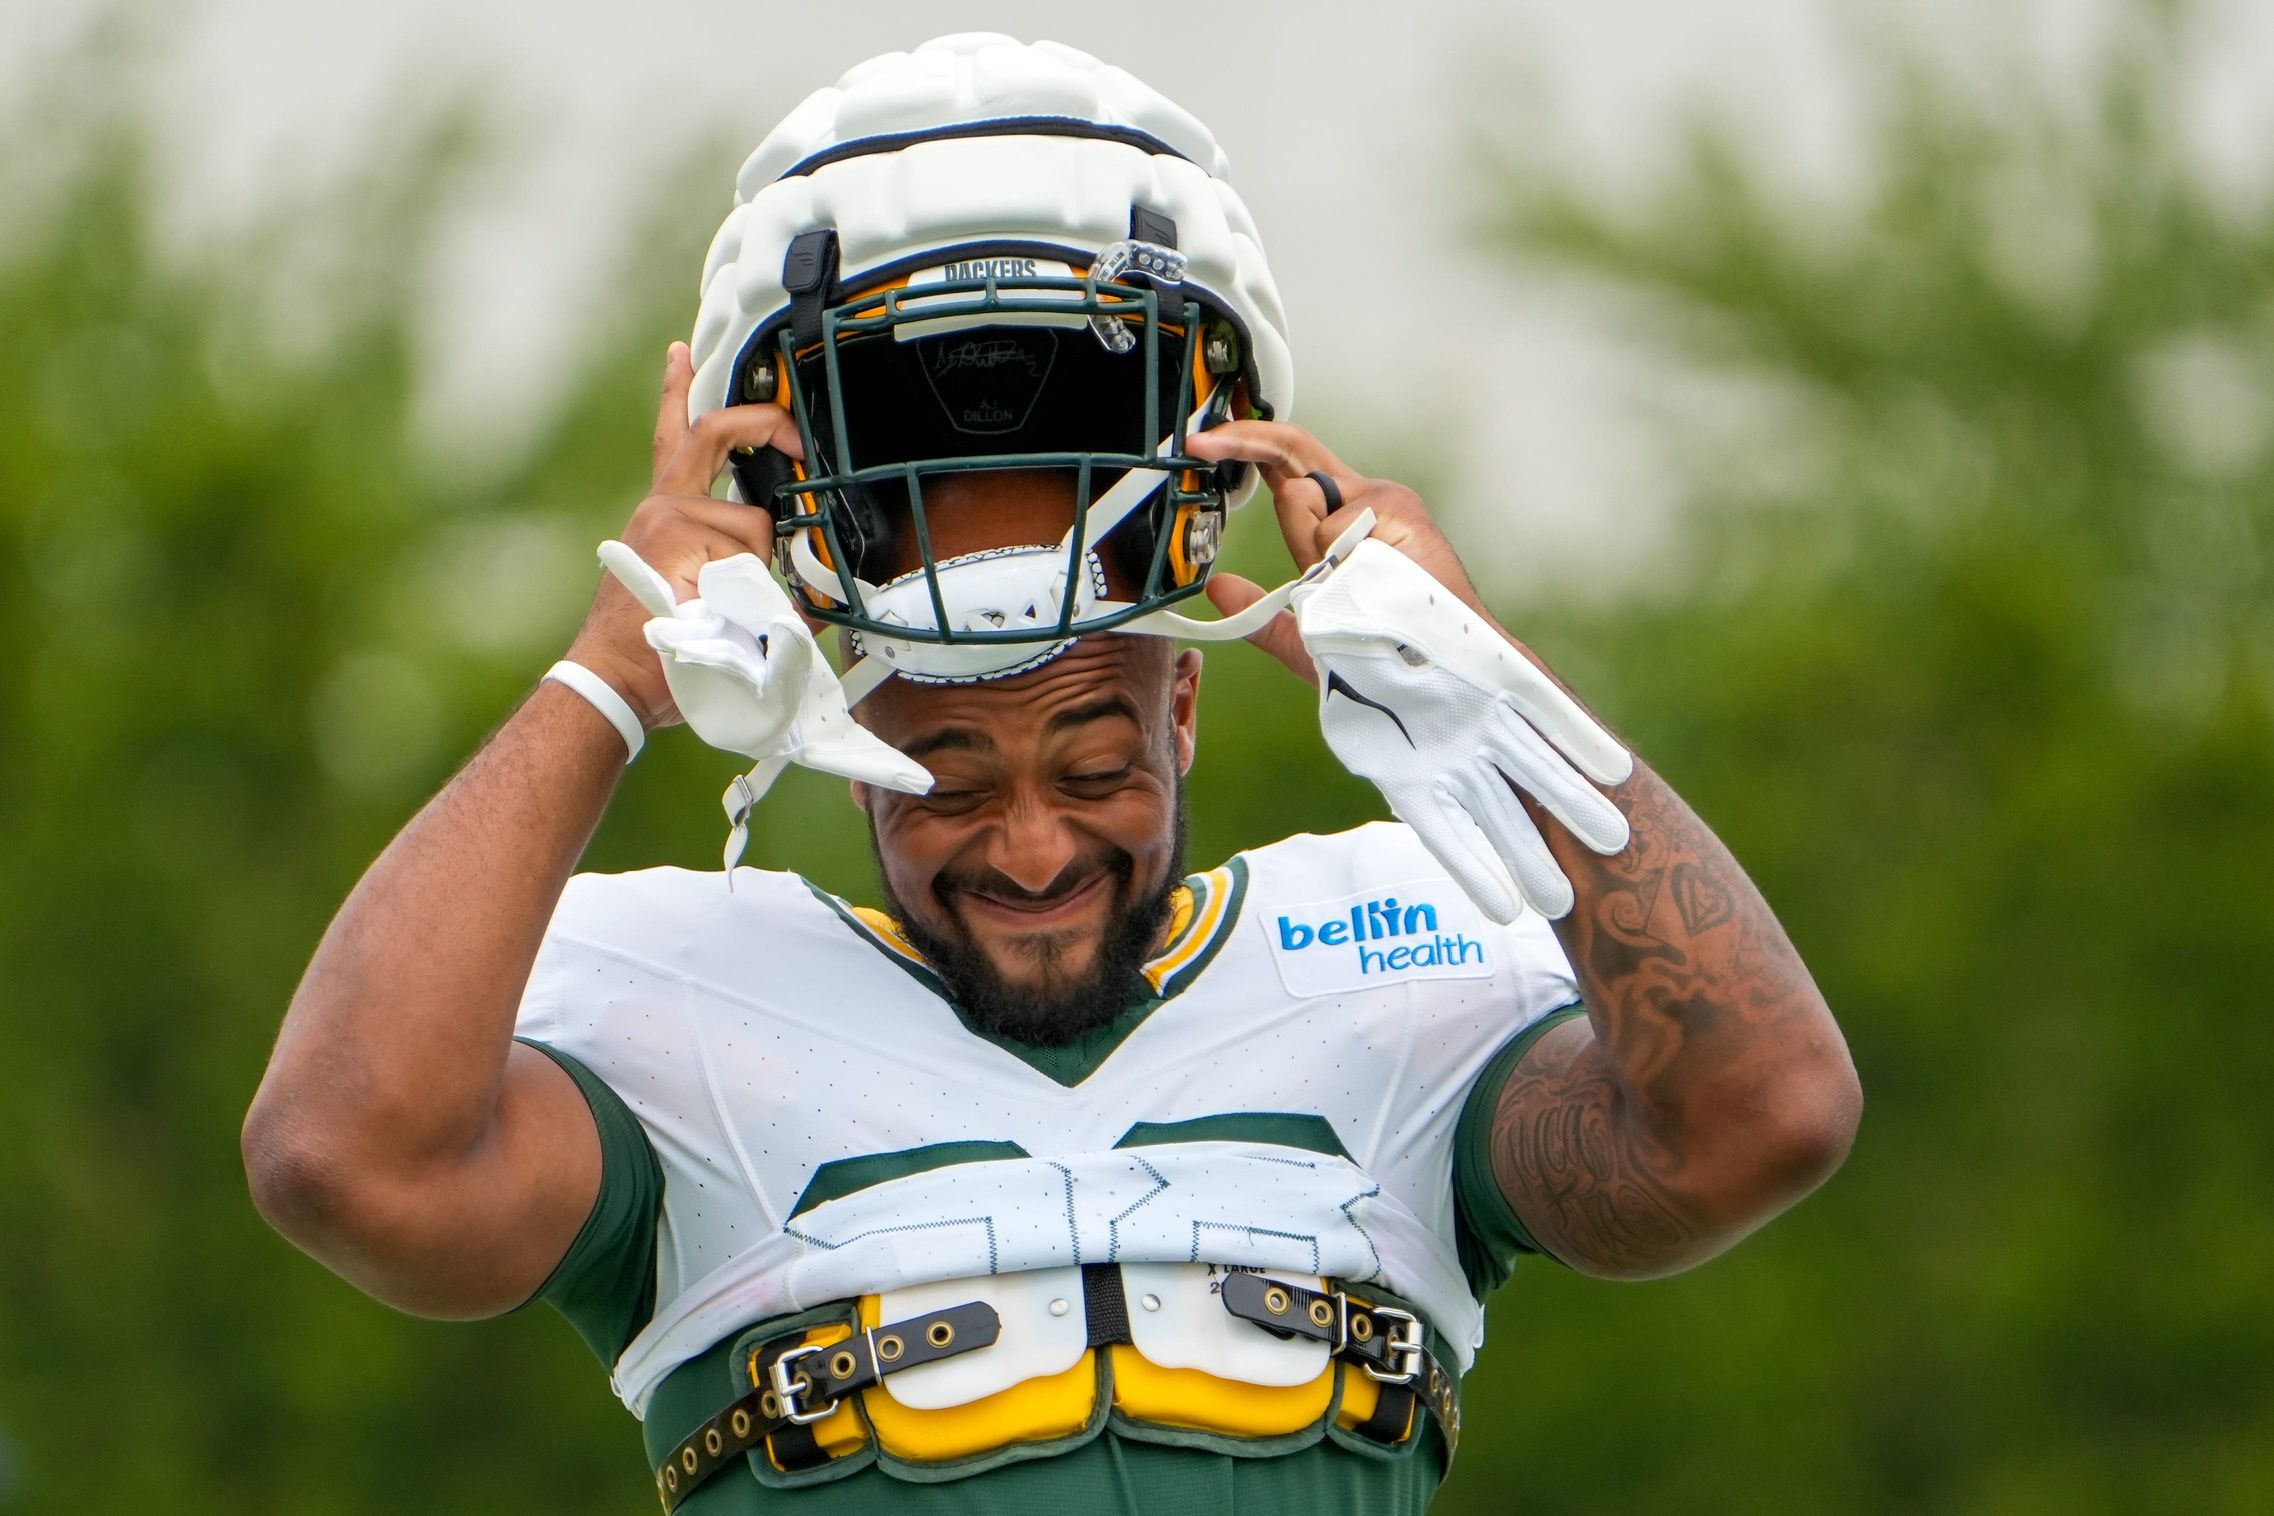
[(748, 677), (1420, 695)]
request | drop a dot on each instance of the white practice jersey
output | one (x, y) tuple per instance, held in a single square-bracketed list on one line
[(827, 1125)]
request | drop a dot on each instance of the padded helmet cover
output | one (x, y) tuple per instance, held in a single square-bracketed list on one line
[(975, 141)]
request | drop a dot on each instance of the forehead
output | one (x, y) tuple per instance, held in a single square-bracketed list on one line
[(1093, 675), (970, 513)]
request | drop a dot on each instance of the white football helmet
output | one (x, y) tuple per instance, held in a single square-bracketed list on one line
[(986, 255)]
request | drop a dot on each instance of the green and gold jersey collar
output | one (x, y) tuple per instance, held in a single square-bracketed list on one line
[(1202, 913)]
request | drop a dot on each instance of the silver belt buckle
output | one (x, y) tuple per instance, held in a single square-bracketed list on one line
[(1404, 1345), (790, 1390)]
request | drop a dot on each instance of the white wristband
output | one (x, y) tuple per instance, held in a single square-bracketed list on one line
[(605, 700)]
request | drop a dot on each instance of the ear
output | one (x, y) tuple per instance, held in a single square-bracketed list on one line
[(1184, 707), (861, 794)]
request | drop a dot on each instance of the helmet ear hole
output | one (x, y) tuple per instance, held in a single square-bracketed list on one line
[(863, 527), (866, 532), (758, 474), (1130, 550)]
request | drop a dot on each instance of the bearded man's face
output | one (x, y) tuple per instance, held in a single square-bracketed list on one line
[(1036, 875)]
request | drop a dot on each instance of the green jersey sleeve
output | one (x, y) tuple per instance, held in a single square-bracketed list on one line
[(605, 1283), (1490, 1234)]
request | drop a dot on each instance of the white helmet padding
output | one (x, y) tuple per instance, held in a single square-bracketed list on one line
[(979, 140)]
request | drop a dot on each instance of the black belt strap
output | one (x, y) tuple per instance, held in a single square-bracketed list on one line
[(793, 1445), (1381, 1340), (1105, 1304), (816, 1379)]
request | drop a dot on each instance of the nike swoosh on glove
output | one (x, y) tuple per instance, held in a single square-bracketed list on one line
[(1420, 695), (747, 675)]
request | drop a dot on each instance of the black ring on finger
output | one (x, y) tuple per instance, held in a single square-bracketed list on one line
[(1327, 487)]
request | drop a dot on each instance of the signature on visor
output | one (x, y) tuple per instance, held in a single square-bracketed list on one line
[(988, 353)]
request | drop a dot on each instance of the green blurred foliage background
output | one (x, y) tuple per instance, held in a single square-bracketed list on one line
[(1967, 649)]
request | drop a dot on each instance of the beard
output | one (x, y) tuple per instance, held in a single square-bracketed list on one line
[(1053, 1005)]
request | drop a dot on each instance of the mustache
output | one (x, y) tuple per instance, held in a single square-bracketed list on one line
[(1115, 862)]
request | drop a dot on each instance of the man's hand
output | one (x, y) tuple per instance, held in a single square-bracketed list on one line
[(677, 529), (1425, 695), (1288, 455), (744, 671), (1449, 720)]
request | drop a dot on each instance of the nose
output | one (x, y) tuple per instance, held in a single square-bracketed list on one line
[(1033, 844)]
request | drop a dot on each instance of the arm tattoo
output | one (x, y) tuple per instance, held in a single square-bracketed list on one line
[(1560, 1150), (1692, 992)]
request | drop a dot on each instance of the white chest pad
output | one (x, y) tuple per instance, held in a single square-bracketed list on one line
[(1176, 1320), (1044, 1331)]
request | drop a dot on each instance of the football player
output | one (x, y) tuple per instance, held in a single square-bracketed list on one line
[(1065, 1176)]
